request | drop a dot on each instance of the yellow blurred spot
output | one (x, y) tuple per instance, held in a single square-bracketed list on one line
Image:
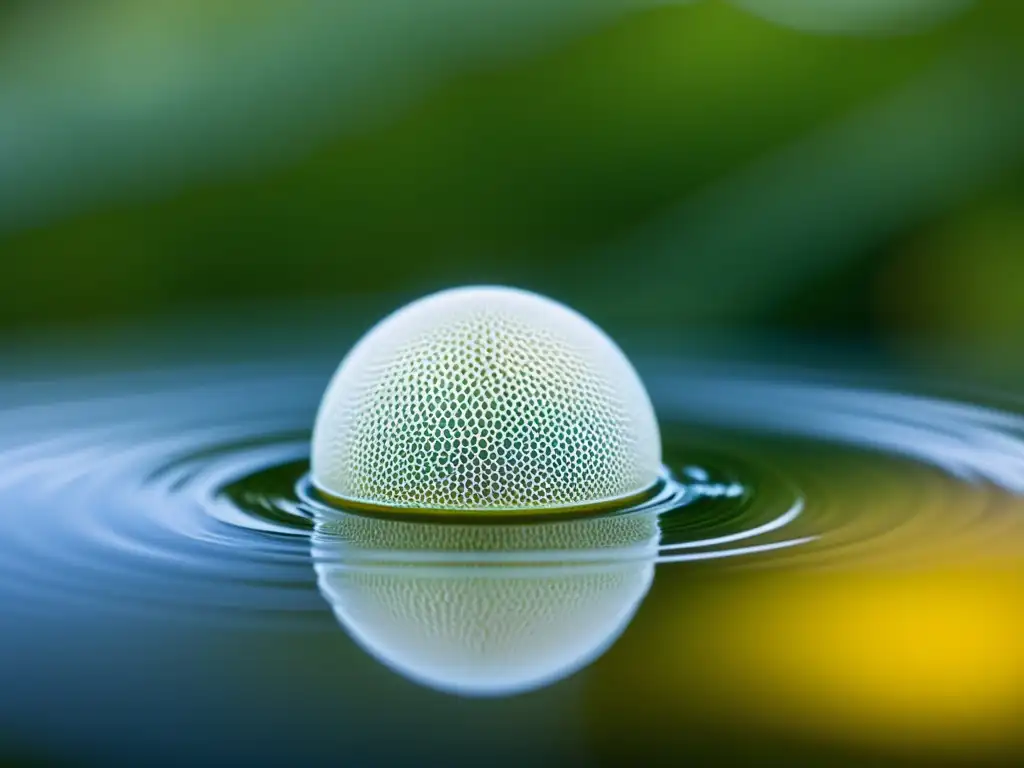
[(896, 659)]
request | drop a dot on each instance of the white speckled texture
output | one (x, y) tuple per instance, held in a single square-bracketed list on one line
[(485, 398)]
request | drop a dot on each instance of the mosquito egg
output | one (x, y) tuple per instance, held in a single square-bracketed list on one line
[(485, 399)]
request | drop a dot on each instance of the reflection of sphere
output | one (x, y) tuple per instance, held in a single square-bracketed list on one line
[(485, 398), (854, 15), (496, 619)]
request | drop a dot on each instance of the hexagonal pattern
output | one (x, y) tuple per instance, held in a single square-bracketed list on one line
[(485, 399)]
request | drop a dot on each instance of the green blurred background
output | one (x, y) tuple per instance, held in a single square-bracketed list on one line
[(851, 169)]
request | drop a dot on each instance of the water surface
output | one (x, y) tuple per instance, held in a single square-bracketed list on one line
[(831, 573)]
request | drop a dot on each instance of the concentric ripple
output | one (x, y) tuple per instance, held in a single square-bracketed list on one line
[(185, 492)]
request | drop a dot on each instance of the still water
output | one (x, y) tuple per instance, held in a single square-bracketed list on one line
[(830, 573)]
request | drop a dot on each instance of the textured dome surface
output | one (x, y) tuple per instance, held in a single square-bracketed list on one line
[(485, 399)]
